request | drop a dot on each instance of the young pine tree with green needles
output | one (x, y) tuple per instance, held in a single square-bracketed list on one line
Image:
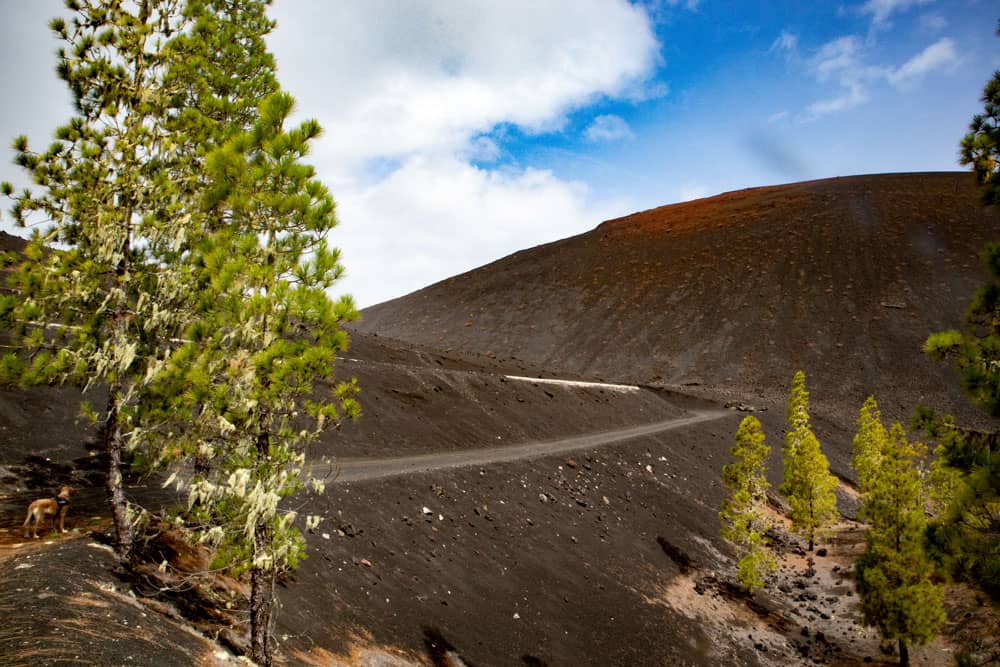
[(744, 521), (893, 576), (266, 335), (808, 486), (868, 444)]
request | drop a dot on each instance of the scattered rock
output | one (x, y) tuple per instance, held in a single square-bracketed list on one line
[(743, 407), (570, 463), (821, 552)]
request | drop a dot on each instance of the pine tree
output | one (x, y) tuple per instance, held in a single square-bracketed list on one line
[(195, 276), (980, 148), (251, 387), (266, 334), (964, 535), (808, 486), (968, 531), (868, 443), (893, 576), (97, 311), (744, 522), (218, 72)]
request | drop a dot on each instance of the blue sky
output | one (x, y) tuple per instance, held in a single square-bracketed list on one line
[(459, 131)]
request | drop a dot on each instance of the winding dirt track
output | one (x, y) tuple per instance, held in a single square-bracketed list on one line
[(354, 470)]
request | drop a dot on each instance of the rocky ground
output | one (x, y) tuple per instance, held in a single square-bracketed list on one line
[(605, 555)]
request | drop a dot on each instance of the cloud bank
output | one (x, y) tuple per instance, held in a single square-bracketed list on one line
[(410, 95), (842, 61)]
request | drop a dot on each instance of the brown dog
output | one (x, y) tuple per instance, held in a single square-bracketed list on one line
[(44, 507)]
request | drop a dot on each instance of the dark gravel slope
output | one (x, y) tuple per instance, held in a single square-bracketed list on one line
[(842, 278)]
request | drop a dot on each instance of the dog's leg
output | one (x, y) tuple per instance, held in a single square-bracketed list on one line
[(27, 520), (62, 518)]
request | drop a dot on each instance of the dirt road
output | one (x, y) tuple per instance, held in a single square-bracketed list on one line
[(353, 470)]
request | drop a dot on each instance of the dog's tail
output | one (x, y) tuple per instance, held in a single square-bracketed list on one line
[(27, 520)]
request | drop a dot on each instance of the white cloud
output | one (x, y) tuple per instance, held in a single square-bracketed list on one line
[(939, 55), (854, 95), (608, 128), (483, 149), (881, 10), (395, 79), (786, 41), (436, 217), (842, 60), (416, 99), (837, 56)]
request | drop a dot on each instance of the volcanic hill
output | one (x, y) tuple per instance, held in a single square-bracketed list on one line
[(730, 295)]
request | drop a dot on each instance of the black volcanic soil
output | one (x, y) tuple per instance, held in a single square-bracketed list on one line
[(842, 278), (601, 556)]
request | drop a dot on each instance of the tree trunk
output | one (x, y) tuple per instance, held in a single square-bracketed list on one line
[(112, 432), (261, 580), (113, 481), (904, 653), (261, 604)]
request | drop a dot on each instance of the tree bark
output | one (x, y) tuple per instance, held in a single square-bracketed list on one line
[(904, 653), (261, 604), (261, 580), (113, 481)]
